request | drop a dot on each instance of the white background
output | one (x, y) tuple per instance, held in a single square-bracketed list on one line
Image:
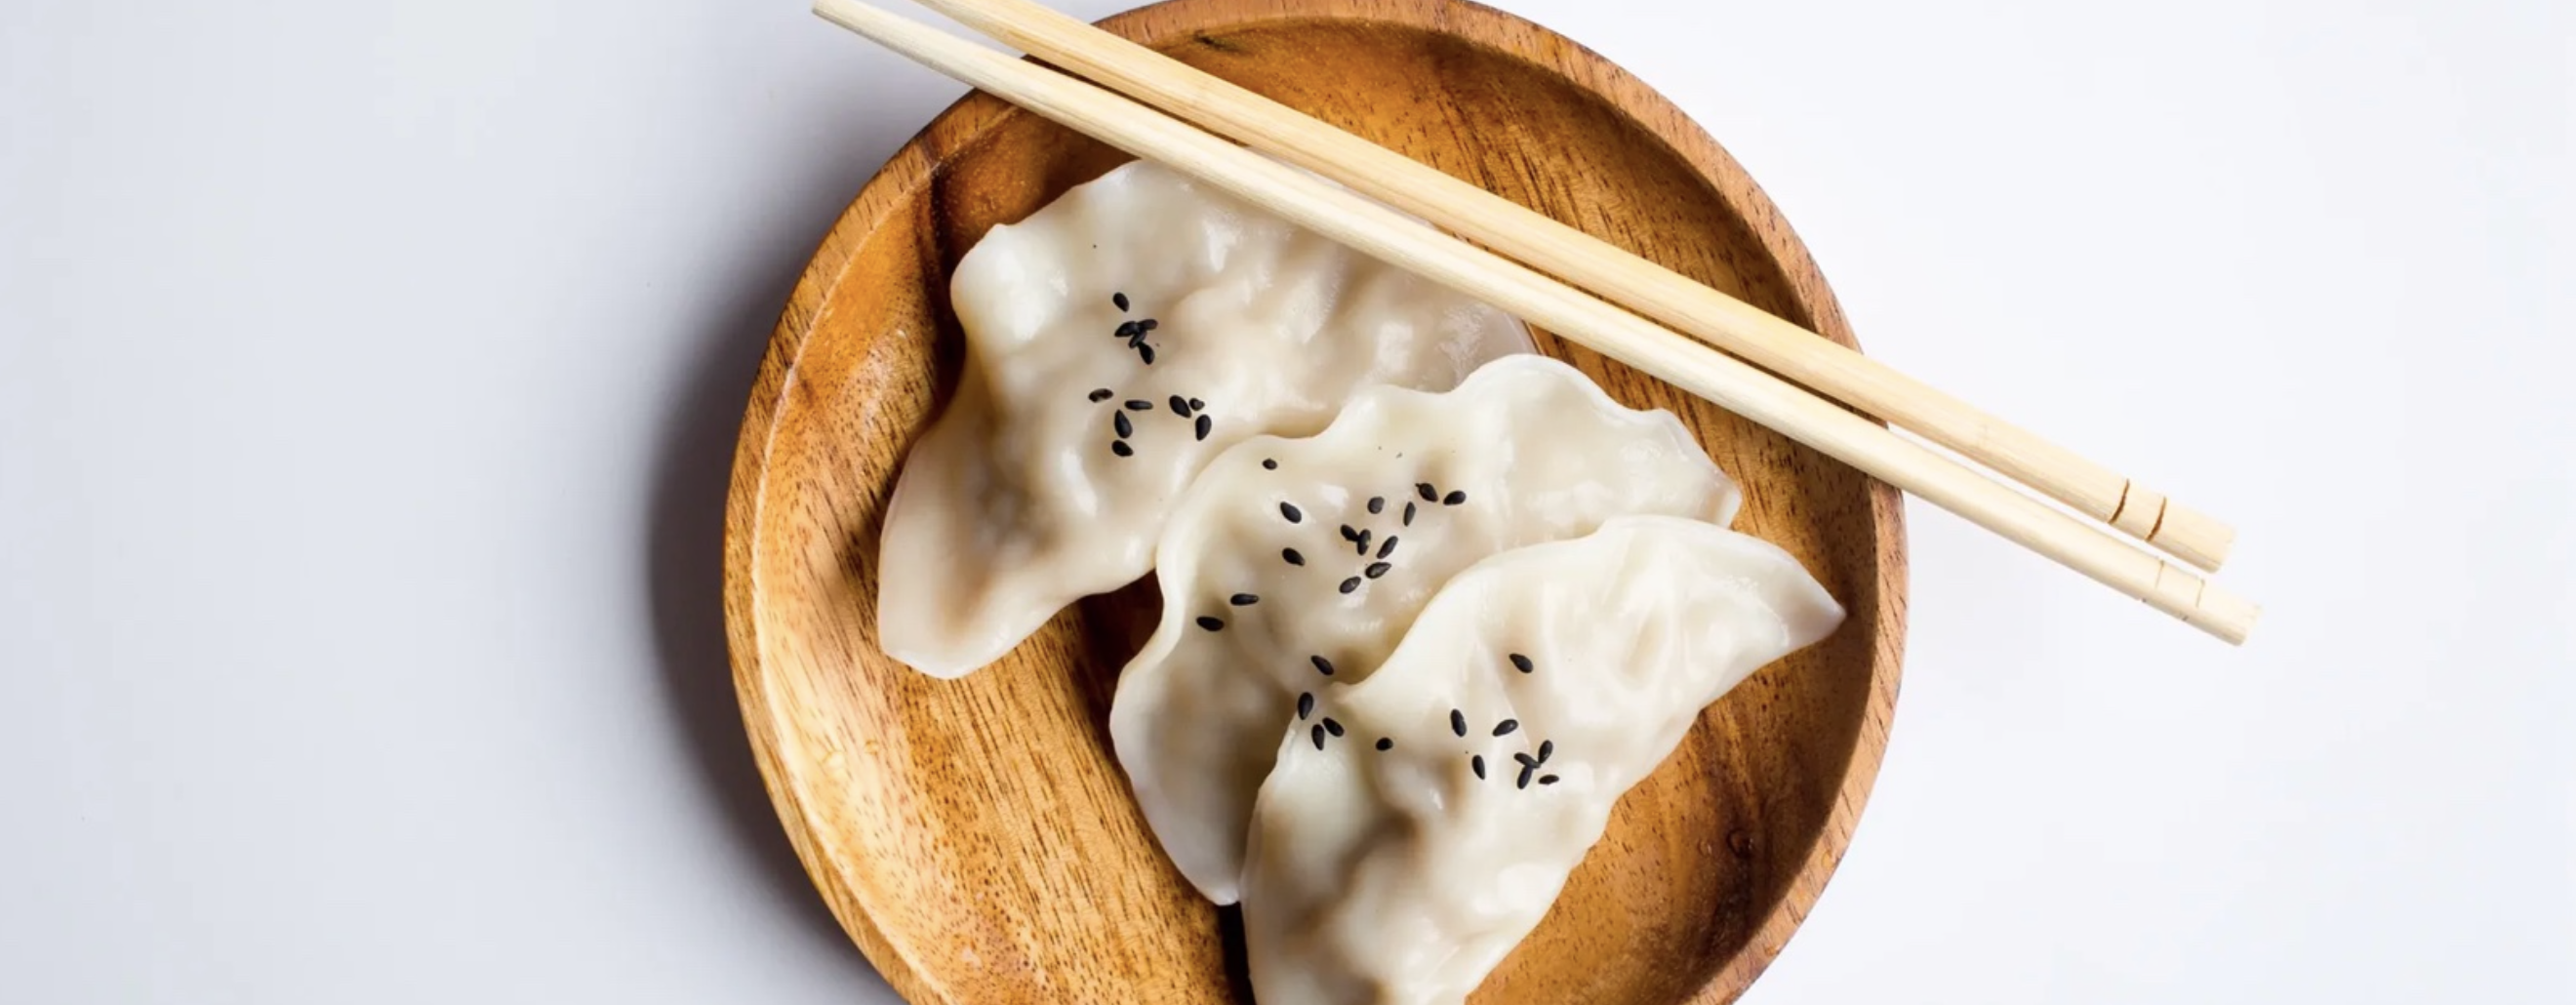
[(369, 374)]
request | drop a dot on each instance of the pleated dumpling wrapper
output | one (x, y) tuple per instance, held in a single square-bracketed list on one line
[(1116, 340), (1398, 859), (1295, 563)]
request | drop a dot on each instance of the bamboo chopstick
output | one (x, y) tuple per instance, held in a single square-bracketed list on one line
[(1606, 270), (1381, 233)]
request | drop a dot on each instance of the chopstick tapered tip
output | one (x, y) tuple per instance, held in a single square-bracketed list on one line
[(2226, 615), (2193, 536)]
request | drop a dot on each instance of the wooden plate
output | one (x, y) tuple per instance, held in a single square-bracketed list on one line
[(975, 836)]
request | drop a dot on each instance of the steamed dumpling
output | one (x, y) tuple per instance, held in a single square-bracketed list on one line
[(1295, 563), (1115, 340), (1398, 859)]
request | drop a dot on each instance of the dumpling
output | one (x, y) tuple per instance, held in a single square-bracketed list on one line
[(1115, 341), (1295, 563), (1398, 855)]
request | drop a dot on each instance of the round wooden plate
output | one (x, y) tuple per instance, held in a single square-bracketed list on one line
[(975, 836)]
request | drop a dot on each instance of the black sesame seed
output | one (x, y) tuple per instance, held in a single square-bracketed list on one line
[(1120, 299), (1290, 511), (1376, 569), (1546, 750), (1149, 324), (1428, 493), (1196, 404), (1458, 722), (1118, 421), (1292, 556), (1350, 584), (1505, 727), (1524, 758), (1211, 624), (1121, 448), (1350, 533), (1146, 353), (1408, 514), (1363, 544), (1332, 727), (1102, 394), (1388, 548), (1180, 406), (1322, 665), (1205, 426), (1526, 771), (1477, 762), (1453, 498), (1547, 780), (1305, 704), (1386, 743), (1269, 464), (1243, 600), (1377, 504), (1522, 663), (1127, 330), (1318, 733), (1139, 405)]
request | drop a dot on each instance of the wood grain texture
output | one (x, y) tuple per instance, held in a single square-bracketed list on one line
[(975, 836)]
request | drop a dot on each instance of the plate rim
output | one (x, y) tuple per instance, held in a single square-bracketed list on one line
[(965, 122)]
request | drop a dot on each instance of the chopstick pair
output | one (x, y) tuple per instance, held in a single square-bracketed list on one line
[(1354, 218)]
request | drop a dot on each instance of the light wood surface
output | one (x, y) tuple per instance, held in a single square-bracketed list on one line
[(1602, 268), (975, 836), (1375, 230)]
